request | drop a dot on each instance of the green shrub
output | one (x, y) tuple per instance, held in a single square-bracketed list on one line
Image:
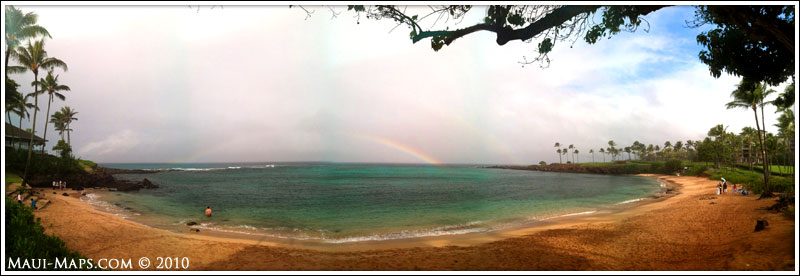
[(656, 168), (25, 238), (672, 166), (41, 164), (697, 170), (782, 184)]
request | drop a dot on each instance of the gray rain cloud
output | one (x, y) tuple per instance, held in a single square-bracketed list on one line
[(243, 83)]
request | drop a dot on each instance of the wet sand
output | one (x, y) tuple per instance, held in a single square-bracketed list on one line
[(684, 231)]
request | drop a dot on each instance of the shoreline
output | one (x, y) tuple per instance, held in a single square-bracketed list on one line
[(465, 238), (97, 234)]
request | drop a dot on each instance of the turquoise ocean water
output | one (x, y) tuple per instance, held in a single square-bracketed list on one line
[(335, 202)]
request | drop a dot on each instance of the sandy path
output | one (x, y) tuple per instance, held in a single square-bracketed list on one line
[(680, 233)]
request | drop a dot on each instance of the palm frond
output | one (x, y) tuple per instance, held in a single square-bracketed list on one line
[(51, 62), (15, 69), (33, 31), (59, 96), (61, 87)]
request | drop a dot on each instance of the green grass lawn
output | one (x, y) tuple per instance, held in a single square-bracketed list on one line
[(87, 163), (12, 178), (777, 168), (596, 164)]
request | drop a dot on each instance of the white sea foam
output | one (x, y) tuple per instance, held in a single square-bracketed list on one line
[(93, 200), (570, 214), (299, 234), (630, 201)]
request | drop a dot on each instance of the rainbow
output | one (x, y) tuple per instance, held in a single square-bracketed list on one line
[(416, 153)]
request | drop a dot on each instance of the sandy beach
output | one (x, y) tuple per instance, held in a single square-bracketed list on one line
[(691, 230)]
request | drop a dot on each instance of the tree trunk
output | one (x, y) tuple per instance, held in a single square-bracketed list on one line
[(761, 143), (767, 162), (69, 141), (20, 127), (8, 54), (45, 123), (33, 129)]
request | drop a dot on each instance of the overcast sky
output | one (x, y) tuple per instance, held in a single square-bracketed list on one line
[(244, 83)]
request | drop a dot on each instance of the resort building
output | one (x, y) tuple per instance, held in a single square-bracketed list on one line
[(18, 138)]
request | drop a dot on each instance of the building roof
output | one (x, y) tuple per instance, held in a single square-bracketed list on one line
[(18, 133)]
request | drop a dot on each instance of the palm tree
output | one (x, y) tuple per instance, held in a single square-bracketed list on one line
[(69, 116), (578, 157), (59, 124), (611, 149), (34, 57), (21, 109), (559, 155), (558, 145), (20, 26), (750, 95), (718, 132), (786, 132), (604, 154), (13, 98), (628, 150), (762, 89), (592, 152), (50, 85), (658, 151), (573, 156)]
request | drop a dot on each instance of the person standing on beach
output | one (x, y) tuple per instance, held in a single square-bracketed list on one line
[(33, 203), (19, 198), (208, 211), (724, 187), (54, 184)]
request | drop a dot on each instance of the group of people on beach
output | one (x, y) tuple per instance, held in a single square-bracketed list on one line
[(722, 188), (20, 200), (61, 185)]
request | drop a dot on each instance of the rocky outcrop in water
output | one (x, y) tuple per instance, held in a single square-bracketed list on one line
[(100, 178)]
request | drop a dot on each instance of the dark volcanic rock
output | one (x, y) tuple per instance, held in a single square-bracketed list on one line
[(100, 178), (148, 185), (761, 225), (125, 171), (191, 223)]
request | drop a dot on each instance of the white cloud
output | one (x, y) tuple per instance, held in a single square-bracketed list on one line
[(263, 84), (119, 143)]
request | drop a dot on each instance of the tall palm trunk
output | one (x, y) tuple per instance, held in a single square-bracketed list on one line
[(69, 142), (33, 129), (8, 54), (761, 143), (20, 127), (767, 162), (45, 122)]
